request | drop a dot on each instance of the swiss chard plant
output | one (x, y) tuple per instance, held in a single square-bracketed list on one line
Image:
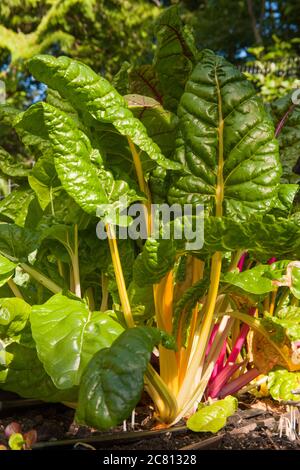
[(93, 321)]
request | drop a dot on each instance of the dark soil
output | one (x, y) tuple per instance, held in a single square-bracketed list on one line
[(254, 426)]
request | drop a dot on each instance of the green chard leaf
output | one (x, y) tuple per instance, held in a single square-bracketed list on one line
[(16, 205), (212, 418), (10, 167), (289, 318), (7, 269), (226, 143), (255, 280), (121, 79), (156, 259), (92, 95), (295, 284), (17, 243), (56, 100), (254, 235), (161, 124), (20, 369), (43, 180), (174, 57), (186, 303), (286, 196), (144, 81), (289, 136), (14, 314), (90, 186), (281, 383), (67, 335), (112, 383), (26, 376)]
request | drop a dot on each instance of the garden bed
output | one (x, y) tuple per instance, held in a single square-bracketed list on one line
[(254, 426)]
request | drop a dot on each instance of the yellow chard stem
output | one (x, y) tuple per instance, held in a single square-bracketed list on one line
[(90, 298), (45, 281), (267, 303), (14, 288), (104, 287), (161, 395), (205, 328), (273, 300), (75, 264), (164, 310), (142, 183), (113, 246)]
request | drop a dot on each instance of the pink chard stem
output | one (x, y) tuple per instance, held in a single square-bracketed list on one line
[(222, 374), (238, 383), (242, 260), (219, 365), (222, 378), (283, 120)]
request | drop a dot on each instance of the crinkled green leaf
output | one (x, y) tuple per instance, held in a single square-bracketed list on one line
[(26, 376), (120, 80), (159, 183), (289, 136), (72, 151), (29, 128), (141, 300), (67, 335), (63, 210), (289, 318), (266, 236), (143, 80), (112, 382), (14, 314), (62, 233), (43, 179), (174, 56), (16, 205), (253, 235), (20, 369), (17, 243), (295, 286), (8, 114), (281, 383), (212, 418), (161, 124), (252, 280), (226, 143), (10, 167), (90, 186), (286, 196), (56, 100), (7, 269), (156, 259), (94, 95), (186, 303)]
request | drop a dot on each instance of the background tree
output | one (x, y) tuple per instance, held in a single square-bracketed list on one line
[(230, 27), (102, 33)]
